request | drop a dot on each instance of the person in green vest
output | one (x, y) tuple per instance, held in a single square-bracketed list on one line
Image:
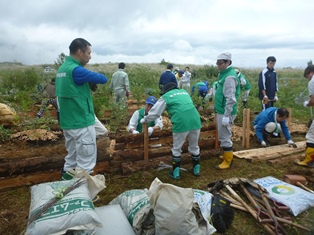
[(186, 122), (226, 106), (77, 116), (245, 87), (136, 127)]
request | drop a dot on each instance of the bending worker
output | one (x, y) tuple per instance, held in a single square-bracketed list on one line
[(272, 121), (186, 122), (136, 127)]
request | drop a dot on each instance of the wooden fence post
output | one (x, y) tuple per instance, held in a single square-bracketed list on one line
[(246, 128), (289, 119), (216, 133), (145, 129)]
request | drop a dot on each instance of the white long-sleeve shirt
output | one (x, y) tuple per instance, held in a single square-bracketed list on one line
[(134, 121)]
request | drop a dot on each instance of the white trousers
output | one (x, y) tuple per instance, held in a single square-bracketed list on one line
[(224, 132), (178, 141), (81, 147)]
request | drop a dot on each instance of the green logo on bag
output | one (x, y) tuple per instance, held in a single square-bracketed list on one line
[(282, 190)]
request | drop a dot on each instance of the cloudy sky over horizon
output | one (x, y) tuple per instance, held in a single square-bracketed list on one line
[(179, 31)]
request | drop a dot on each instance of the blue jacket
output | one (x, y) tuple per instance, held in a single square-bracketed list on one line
[(267, 81), (166, 77), (265, 117)]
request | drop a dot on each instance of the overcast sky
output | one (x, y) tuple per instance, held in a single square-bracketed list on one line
[(147, 31)]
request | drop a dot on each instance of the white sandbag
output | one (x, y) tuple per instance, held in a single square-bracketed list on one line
[(173, 209), (75, 211), (204, 200), (114, 221), (7, 114), (96, 183), (297, 199), (135, 205)]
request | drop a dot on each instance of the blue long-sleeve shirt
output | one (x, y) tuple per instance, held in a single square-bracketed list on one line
[(82, 75), (166, 77), (265, 117)]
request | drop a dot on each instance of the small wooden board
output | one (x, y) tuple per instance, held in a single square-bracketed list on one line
[(261, 154)]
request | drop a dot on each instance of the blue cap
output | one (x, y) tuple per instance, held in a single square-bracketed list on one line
[(151, 100), (181, 72)]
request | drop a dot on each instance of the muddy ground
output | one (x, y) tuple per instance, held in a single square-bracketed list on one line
[(15, 202)]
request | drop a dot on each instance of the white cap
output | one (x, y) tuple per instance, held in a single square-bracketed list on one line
[(224, 56)]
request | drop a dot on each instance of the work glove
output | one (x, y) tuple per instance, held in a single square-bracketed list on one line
[(150, 130), (291, 144), (225, 121), (263, 143), (276, 98), (142, 121), (306, 103), (134, 132), (265, 99)]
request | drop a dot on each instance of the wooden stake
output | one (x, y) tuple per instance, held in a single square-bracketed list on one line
[(246, 128), (289, 118), (145, 128), (216, 133)]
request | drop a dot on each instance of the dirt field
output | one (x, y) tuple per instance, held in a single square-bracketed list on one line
[(15, 202)]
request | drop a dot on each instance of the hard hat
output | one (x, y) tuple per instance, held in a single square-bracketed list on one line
[(151, 100)]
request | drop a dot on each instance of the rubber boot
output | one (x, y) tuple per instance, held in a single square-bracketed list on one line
[(65, 175), (309, 158), (175, 173), (196, 165), (227, 159)]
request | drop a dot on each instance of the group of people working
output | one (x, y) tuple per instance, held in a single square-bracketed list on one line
[(77, 118)]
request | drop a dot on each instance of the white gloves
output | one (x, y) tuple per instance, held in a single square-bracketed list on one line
[(306, 103), (134, 132), (142, 120), (225, 121), (150, 130), (263, 143), (292, 144), (276, 98)]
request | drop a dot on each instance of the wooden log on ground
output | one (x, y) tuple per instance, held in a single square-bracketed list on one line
[(272, 152), (163, 133), (285, 159), (45, 176), (22, 164), (138, 153)]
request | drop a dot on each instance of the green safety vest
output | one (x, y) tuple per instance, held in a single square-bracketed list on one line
[(139, 124), (220, 100), (75, 102), (184, 116)]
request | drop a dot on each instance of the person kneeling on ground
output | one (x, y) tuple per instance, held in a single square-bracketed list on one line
[(272, 121), (136, 127), (186, 122)]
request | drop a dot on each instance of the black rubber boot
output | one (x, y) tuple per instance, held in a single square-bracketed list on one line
[(196, 165), (175, 173)]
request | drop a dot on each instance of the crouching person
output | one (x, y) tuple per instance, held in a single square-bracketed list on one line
[(185, 121), (272, 121), (136, 127)]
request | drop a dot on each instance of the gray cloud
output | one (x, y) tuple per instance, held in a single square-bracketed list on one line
[(36, 32)]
